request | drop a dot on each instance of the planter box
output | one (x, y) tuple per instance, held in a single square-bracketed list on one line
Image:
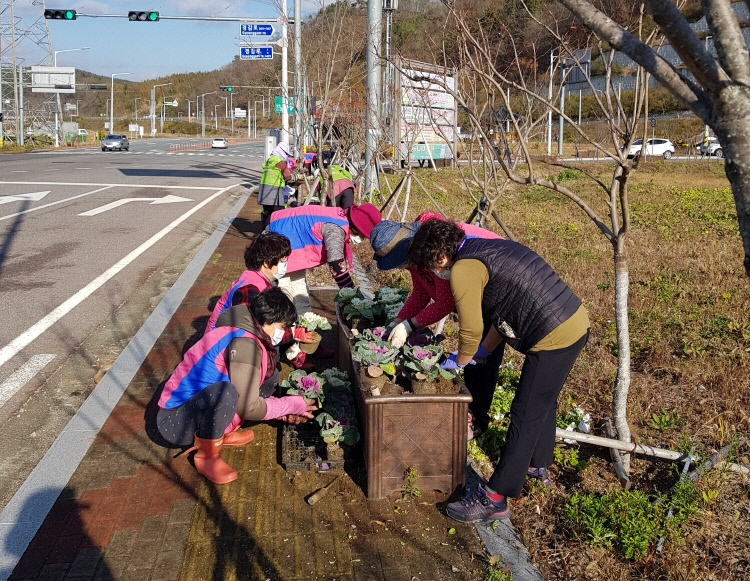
[(425, 432)]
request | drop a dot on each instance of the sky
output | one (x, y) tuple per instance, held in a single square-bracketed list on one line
[(149, 50)]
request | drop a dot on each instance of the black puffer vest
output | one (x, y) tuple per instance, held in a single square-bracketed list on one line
[(523, 291)]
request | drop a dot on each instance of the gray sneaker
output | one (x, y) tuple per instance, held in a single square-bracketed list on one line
[(478, 508)]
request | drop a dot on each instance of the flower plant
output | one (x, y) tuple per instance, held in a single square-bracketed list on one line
[(423, 361), (313, 322), (363, 309), (375, 354), (309, 386), (377, 334), (337, 430)]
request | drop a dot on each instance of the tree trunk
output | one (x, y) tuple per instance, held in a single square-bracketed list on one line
[(622, 381)]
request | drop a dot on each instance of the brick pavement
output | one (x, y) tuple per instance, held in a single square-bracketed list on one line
[(134, 511)]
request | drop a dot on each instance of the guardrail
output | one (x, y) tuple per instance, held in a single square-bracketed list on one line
[(204, 144)]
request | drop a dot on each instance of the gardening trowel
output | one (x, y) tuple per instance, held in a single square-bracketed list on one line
[(317, 495)]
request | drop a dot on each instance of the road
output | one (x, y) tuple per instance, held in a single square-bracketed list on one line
[(87, 235)]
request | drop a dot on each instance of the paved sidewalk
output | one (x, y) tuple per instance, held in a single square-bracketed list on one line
[(132, 510)]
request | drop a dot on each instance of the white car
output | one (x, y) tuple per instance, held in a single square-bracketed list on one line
[(219, 143), (657, 146), (712, 148)]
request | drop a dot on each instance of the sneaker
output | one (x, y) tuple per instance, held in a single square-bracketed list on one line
[(540, 474), (478, 508)]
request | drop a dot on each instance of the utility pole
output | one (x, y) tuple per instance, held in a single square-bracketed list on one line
[(374, 33), (152, 109), (300, 98), (284, 76)]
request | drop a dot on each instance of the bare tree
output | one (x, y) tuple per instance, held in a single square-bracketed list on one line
[(717, 89)]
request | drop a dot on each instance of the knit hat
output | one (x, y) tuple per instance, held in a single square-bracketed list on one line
[(364, 218), (390, 241)]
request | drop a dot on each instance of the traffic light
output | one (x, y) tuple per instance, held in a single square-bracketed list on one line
[(143, 16), (226, 88), (60, 14)]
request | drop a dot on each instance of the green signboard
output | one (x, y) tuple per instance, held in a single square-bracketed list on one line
[(277, 105)]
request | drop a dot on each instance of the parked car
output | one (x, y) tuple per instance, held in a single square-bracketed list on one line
[(219, 143), (657, 146), (712, 148), (113, 141)]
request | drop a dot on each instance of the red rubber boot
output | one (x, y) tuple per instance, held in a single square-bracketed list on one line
[(209, 463)]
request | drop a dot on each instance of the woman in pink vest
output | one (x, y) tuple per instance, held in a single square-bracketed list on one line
[(321, 235), (217, 384), (431, 299)]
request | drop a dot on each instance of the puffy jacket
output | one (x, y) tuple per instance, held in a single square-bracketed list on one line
[(272, 184), (523, 290), (249, 277), (342, 180), (302, 225)]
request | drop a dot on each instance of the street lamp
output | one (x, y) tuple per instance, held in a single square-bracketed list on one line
[(216, 117), (203, 111), (112, 100), (57, 96), (152, 108), (549, 104), (226, 106), (189, 102)]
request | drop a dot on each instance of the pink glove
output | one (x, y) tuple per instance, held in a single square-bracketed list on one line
[(236, 421), (302, 334), (289, 404)]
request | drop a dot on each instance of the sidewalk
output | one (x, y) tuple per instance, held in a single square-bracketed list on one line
[(134, 511)]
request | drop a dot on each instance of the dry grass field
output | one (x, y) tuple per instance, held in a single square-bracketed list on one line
[(689, 308)]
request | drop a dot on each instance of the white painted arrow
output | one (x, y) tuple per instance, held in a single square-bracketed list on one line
[(35, 197), (169, 199)]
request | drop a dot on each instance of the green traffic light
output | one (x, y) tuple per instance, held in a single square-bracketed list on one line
[(230, 89), (70, 15), (153, 16)]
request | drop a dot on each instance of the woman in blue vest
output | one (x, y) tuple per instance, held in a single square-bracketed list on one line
[(537, 314)]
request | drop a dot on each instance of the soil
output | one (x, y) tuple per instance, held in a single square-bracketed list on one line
[(447, 386), (423, 387), (391, 388)]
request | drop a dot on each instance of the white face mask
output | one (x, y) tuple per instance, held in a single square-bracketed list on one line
[(445, 275), (278, 335), (281, 272), (356, 239)]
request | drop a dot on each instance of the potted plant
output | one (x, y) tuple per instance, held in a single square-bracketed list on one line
[(422, 362), (309, 386), (376, 360), (312, 322)]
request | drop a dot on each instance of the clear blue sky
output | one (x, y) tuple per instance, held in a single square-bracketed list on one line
[(147, 49)]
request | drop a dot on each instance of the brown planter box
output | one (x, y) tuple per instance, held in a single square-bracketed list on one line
[(425, 432)]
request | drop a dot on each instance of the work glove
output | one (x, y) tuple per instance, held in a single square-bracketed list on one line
[(399, 334), (451, 363), (481, 353), (302, 334), (277, 407)]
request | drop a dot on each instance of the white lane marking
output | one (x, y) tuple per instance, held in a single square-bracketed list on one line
[(15, 346), (23, 375), (32, 197), (83, 168), (162, 186), (19, 171), (169, 199), (52, 204)]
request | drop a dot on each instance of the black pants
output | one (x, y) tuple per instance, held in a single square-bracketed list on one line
[(481, 380), (265, 216), (345, 199), (533, 414), (207, 415)]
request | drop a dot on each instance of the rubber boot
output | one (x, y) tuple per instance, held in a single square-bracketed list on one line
[(237, 438), (209, 463)]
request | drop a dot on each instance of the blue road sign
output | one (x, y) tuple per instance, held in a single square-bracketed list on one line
[(256, 30), (251, 53)]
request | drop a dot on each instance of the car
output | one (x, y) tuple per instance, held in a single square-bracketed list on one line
[(114, 141), (656, 146), (219, 143), (713, 147)]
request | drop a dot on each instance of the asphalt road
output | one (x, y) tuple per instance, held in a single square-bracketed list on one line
[(82, 231)]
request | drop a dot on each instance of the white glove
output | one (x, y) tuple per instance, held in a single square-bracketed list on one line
[(400, 333)]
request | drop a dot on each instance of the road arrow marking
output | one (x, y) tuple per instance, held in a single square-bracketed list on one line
[(35, 197), (169, 199)]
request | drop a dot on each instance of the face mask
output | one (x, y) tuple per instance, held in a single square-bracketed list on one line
[(356, 239), (278, 335), (281, 272), (445, 275)]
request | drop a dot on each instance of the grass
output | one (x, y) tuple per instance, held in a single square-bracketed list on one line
[(690, 344)]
